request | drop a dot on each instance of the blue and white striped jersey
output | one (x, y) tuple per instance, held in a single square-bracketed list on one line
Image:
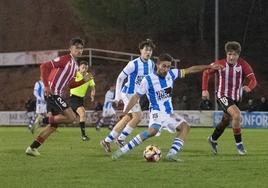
[(158, 90), (39, 91), (136, 70), (108, 101)]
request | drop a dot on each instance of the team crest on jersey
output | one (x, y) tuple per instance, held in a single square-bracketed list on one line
[(237, 69), (56, 59)]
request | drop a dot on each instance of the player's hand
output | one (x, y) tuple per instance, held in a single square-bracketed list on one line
[(47, 91), (205, 94), (216, 66), (88, 76), (246, 89)]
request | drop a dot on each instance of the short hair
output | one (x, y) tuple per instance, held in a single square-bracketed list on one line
[(164, 57), (83, 62), (76, 40), (232, 46), (147, 42)]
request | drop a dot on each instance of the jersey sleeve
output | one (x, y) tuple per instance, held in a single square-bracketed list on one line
[(175, 73), (60, 62), (142, 89), (129, 68), (247, 70), (91, 83)]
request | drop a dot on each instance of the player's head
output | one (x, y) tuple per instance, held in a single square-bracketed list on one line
[(83, 67), (76, 47), (146, 49), (232, 50), (163, 64)]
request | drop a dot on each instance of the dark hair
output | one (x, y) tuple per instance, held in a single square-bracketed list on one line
[(147, 42), (164, 57), (232, 46), (76, 40), (83, 62)]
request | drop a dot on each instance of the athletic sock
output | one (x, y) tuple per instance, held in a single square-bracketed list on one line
[(217, 133), (82, 127), (132, 144), (126, 131), (37, 143), (176, 146), (112, 135), (237, 135)]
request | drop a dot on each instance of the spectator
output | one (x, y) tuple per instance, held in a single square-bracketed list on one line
[(184, 104), (263, 105), (176, 103), (250, 106), (205, 104)]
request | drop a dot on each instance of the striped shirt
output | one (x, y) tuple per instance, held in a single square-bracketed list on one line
[(230, 78), (108, 102), (64, 68), (135, 71), (158, 90)]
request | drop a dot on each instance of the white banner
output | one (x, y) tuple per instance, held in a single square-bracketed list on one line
[(26, 58), (195, 118)]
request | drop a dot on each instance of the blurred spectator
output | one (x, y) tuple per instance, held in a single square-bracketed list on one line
[(30, 112), (205, 104), (175, 102), (250, 106), (184, 104), (263, 105)]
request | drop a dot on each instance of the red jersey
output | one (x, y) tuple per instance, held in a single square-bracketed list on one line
[(230, 78), (57, 73)]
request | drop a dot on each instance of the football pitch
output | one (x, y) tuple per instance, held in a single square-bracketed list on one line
[(66, 161)]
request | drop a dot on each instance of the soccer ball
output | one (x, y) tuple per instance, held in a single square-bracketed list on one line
[(152, 153)]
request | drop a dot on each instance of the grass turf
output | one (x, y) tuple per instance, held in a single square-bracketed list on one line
[(66, 161)]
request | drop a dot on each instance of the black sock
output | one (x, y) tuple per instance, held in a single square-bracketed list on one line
[(82, 127), (217, 133), (238, 138), (45, 120), (35, 144)]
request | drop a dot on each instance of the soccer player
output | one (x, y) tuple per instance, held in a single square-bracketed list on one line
[(158, 87), (41, 105), (57, 74), (229, 92), (78, 96), (135, 71), (108, 112)]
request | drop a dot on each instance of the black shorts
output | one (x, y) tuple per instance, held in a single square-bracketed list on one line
[(56, 104), (226, 102), (76, 102)]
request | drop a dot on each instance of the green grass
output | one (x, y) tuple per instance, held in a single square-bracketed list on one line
[(66, 161)]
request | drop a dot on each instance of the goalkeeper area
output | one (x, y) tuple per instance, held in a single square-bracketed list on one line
[(66, 161)]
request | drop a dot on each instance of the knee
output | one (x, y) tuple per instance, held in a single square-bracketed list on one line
[(236, 116), (184, 127)]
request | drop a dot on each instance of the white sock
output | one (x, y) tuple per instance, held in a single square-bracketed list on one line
[(126, 131), (176, 146), (132, 144), (113, 134)]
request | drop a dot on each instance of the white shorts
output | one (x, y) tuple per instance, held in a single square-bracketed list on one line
[(167, 122), (125, 98), (41, 108), (108, 112)]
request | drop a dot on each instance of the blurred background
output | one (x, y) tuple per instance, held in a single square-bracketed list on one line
[(185, 29)]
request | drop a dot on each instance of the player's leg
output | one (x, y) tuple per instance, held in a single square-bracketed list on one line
[(136, 118), (82, 119), (218, 131), (137, 140), (236, 118), (106, 143), (182, 129)]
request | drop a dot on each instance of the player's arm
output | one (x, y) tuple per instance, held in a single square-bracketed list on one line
[(250, 76), (92, 93), (199, 68), (45, 70)]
